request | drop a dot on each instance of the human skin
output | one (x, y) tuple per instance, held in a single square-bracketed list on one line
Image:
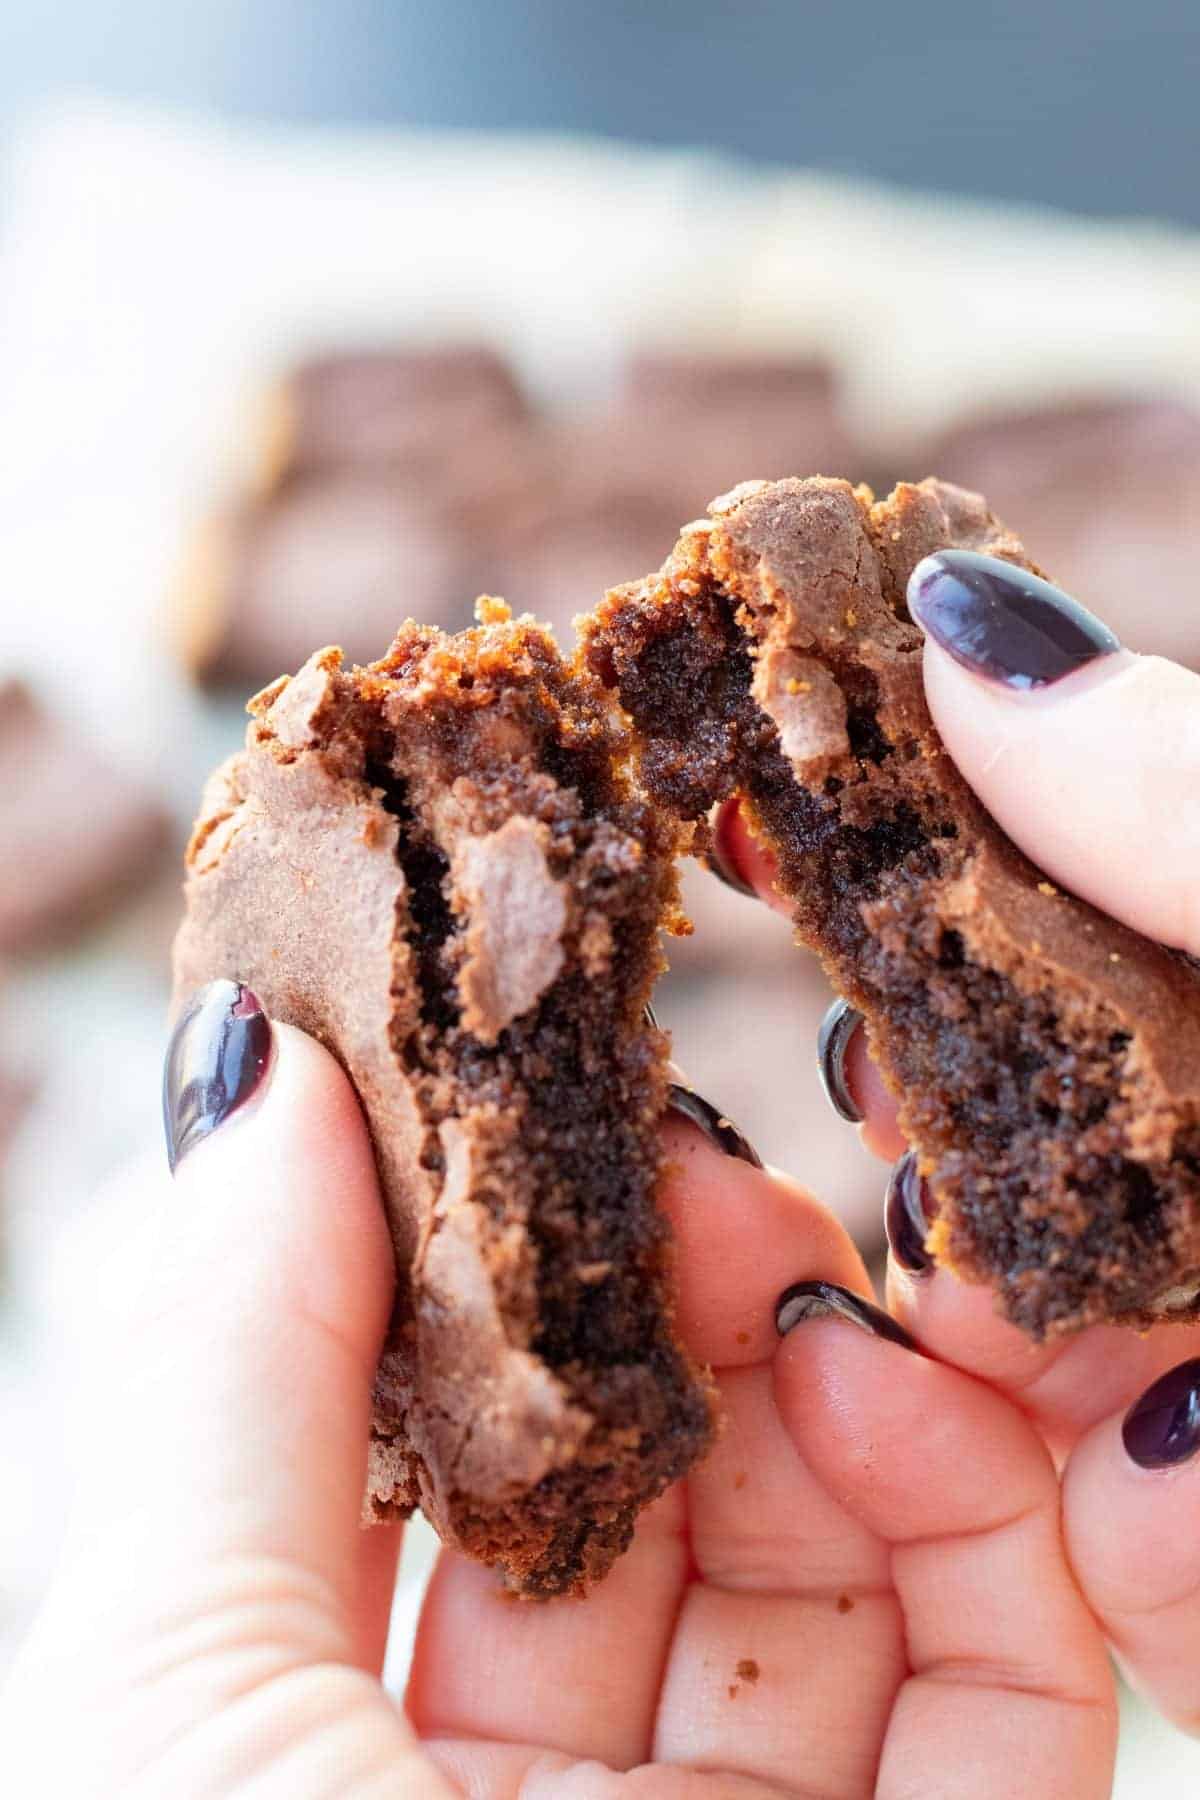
[(863, 1590)]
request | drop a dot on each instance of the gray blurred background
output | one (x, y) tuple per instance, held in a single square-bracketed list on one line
[(1084, 104)]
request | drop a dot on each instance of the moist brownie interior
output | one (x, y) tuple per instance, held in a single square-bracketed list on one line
[(531, 887), (581, 1071), (1045, 1060)]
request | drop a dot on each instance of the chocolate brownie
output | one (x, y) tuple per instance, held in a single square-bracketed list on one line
[(437, 867), (381, 474), (588, 514), (400, 408), (1046, 1061), (705, 418), (76, 832), (267, 578)]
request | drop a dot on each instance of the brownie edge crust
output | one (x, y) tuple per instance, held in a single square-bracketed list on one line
[(436, 867), (1045, 1060)]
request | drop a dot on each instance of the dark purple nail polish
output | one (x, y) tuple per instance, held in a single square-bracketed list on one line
[(721, 859), (908, 1210), (651, 1017), (717, 1128), (833, 1040), (1163, 1427), (825, 1300), (1000, 621), (217, 1056)]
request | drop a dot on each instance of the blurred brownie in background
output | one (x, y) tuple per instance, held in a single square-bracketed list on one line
[(1105, 492), (75, 832), (403, 409), (705, 420), (591, 508), (405, 482), (682, 426), (338, 558), (376, 475)]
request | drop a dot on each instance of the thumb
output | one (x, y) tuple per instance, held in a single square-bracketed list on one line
[(1087, 755), (202, 1625), (246, 1310)]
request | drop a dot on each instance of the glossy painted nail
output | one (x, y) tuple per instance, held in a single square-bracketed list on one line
[(908, 1211), (806, 1300), (651, 1017), (717, 1128), (1002, 622), (833, 1040), (1163, 1427), (721, 858), (217, 1056)]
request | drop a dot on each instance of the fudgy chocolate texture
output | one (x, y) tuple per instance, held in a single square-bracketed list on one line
[(436, 867), (1046, 1061)]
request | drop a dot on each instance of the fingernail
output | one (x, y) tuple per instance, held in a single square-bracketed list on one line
[(651, 1017), (833, 1040), (1000, 621), (717, 1128), (217, 1056), (825, 1300), (907, 1212), (1163, 1427), (721, 858)]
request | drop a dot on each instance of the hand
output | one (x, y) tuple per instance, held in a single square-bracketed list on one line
[(1097, 778), (864, 1590)]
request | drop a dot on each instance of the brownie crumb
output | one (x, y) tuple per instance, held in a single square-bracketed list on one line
[(844, 1603), (747, 1670)]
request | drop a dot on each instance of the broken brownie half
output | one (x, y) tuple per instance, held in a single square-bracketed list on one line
[(1046, 1061), (437, 866)]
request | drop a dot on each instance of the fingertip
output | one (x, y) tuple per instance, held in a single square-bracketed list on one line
[(1107, 757), (957, 1320), (913, 1440), (742, 860), (1131, 1534), (880, 1127), (284, 1191), (741, 1235)]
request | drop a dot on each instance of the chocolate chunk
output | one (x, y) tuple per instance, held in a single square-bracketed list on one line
[(1046, 1061), (436, 866)]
